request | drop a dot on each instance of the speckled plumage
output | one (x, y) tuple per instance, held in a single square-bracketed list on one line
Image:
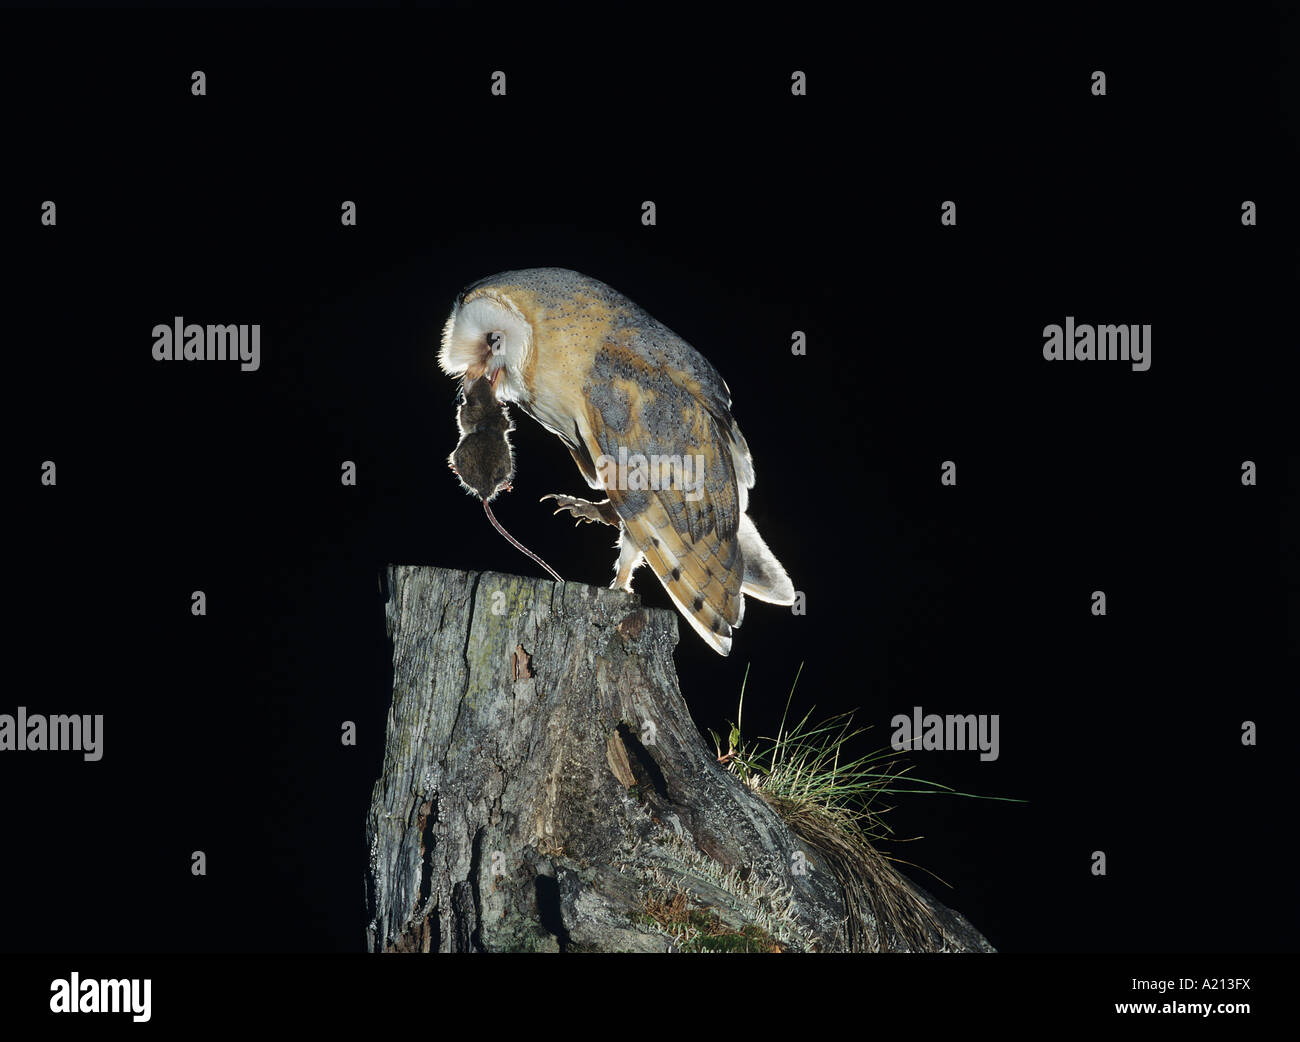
[(607, 378)]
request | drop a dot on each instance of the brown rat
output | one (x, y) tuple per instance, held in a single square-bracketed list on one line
[(483, 459)]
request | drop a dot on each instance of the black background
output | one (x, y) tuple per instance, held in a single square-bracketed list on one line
[(775, 213)]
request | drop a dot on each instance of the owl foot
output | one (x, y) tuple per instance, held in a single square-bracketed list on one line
[(584, 510)]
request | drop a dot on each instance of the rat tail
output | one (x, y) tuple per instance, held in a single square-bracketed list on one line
[(517, 544)]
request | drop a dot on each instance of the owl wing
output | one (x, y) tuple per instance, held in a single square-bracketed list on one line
[(689, 535)]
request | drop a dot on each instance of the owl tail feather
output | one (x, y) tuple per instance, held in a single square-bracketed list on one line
[(764, 576), (684, 573)]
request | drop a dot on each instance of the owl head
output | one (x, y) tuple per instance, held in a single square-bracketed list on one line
[(487, 335)]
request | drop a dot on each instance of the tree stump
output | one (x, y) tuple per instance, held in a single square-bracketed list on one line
[(545, 789)]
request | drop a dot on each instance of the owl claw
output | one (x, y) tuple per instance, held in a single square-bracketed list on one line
[(585, 510)]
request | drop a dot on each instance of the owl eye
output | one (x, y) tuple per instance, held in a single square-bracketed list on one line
[(496, 342)]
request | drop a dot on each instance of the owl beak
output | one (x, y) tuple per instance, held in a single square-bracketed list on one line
[(495, 378)]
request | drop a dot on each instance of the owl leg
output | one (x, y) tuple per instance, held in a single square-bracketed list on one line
[(629, 559), (584, 510)]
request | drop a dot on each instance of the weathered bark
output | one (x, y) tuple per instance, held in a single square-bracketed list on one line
[(562, 799)]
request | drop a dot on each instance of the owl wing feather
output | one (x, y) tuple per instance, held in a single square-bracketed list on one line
[(709, 599), (707, 386), (689, 536)]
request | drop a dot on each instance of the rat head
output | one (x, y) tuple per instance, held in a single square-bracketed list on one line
[(479, 410)]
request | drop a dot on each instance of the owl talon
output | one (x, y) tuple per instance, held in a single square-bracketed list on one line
[(584, 510)]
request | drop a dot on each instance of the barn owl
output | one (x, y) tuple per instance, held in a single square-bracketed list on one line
[(628, 397)]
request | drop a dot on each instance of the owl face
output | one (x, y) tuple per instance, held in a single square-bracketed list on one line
[(487, 335)]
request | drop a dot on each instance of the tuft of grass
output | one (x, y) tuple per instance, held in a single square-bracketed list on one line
[(835, 803)]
